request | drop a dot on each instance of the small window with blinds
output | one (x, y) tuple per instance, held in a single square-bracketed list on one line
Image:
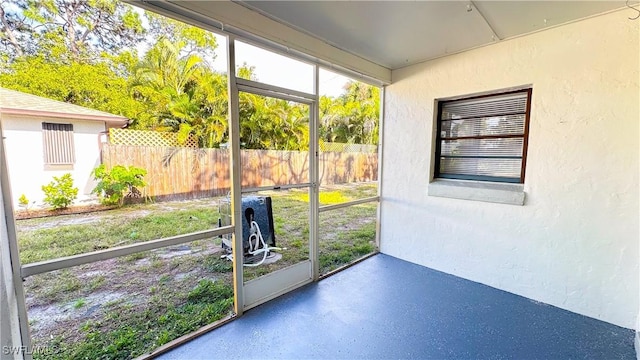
[(483, 138), (57, 141)]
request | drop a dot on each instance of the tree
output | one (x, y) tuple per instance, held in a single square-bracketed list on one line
[(165, 68), (85, 52), (353, 117), (212, 94), (76, 51), (185, 96), (78, 30), (166, 80), (288, 125), (329, 114), (14, 31), (91, 85), (194, 40)]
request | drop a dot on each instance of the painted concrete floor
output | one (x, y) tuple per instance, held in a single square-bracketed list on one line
[(386, 308)]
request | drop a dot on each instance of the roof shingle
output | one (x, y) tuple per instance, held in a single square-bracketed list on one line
[(20, 103)]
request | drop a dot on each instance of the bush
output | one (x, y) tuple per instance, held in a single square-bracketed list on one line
[(60, 193), (23, 201), (113, 186)]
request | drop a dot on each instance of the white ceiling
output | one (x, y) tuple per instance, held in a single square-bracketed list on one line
[(394, 34)]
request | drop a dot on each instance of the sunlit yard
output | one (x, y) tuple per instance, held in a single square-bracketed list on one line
[(124, 307), (159, 74)]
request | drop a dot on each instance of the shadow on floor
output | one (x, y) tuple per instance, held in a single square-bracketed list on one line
[(386, 308)]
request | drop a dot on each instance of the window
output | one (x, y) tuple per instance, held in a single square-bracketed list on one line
[(57, 141), (483, 138)]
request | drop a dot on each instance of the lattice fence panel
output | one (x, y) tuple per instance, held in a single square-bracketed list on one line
[(148, 138)]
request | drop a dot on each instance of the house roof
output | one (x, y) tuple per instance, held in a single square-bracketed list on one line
[(19, 103)]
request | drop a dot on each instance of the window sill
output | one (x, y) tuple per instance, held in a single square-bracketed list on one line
[(512, 194), (58, 167)]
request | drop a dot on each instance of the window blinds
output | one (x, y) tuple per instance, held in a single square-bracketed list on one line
[(57, 141), (483, 138)]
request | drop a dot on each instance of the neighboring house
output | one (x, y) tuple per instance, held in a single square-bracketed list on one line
[(46, 138)]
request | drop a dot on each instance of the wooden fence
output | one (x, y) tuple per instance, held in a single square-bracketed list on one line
[(182, 173)]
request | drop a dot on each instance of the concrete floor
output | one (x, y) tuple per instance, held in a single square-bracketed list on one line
[(385, 308)]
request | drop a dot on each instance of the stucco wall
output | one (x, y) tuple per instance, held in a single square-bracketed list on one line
[(25, 156), (574, 244)]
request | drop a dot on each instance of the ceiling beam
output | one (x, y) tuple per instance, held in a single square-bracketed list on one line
[(494, 35)]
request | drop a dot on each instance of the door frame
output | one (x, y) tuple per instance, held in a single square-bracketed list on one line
[(272, 285)]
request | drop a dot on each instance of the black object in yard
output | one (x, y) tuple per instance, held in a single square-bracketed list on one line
[(254, 208)]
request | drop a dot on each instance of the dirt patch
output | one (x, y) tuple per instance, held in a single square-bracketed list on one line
[(117, 283), (46, 317), (177, 251), (76, 220), (71, 210)]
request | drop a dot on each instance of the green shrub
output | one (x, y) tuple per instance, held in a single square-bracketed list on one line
[(60, 193), (24, 203), (118, 183)]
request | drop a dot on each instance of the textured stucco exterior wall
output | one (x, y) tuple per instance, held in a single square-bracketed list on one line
[(25, 156), (574, 244)]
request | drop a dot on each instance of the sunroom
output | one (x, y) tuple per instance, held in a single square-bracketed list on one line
[(507, 205)]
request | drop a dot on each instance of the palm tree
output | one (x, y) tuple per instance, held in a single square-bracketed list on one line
[(173, 78), (352, 117), (165, 69)]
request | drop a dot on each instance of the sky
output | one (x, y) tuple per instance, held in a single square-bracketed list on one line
[(279, 70)]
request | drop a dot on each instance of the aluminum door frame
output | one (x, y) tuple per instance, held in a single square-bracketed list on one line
[(279, 282)]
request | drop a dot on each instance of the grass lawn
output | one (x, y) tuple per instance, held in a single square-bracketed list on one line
[(124, 307)]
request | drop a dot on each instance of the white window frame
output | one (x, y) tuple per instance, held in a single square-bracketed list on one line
[(483, 190), (57, 143)]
